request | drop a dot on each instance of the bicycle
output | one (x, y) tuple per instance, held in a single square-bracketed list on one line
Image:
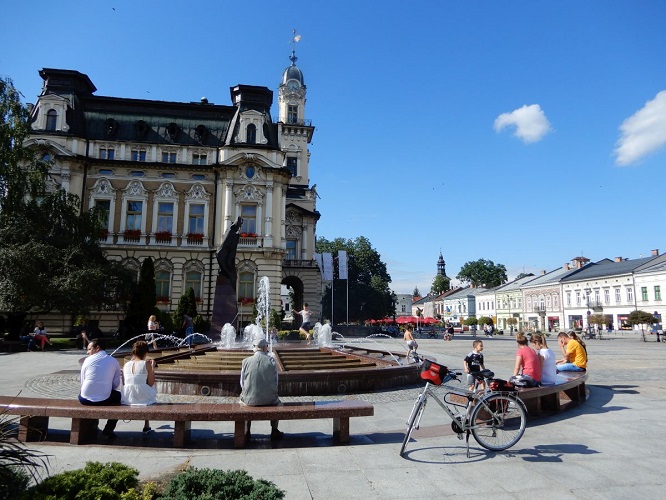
[(496, 418)]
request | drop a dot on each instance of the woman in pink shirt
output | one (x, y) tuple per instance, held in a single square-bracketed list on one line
[(528, 367)]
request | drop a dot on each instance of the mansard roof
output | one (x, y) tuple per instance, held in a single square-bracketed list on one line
[(607, 267)]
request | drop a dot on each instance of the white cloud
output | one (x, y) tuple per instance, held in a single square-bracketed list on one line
[(644, 132), (530, 122)]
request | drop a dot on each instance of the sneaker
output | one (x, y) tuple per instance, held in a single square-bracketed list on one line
[(276, 435), (146, 430)]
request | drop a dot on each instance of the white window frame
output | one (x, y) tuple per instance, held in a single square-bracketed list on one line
[(197, 195), (103, 190), (166, 193), (134, 192)]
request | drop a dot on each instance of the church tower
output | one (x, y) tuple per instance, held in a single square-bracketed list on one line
[(295, 130), (441, 266)]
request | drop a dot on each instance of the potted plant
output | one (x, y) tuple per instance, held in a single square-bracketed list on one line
[(195, 238), (163, 236), (132, 234)]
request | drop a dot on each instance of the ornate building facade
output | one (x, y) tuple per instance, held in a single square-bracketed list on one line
[(171, 177)]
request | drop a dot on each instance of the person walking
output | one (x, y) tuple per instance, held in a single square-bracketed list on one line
[(153, 326)]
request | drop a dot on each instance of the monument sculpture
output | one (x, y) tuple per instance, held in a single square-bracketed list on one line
[(225, 307)]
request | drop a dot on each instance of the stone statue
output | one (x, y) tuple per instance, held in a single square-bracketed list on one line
[(226, 255)]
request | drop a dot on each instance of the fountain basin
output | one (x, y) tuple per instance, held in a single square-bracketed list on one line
[(302, 371)]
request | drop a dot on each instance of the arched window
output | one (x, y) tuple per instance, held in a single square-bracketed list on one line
[(246, 285), (162, 281), (193, 281), (51, 120), (251, 134)]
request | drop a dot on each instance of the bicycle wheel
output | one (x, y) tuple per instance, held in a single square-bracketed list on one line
[(498, 421), (413, 421)]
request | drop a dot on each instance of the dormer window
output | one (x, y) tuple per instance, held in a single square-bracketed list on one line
[(51, 120), (251, 133)]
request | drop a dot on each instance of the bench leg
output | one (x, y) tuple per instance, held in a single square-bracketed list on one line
[(182, 431), (239, 434), (341, 430), (576, 394), (32, 428), (84, 430), (533, 406), (551, 402)]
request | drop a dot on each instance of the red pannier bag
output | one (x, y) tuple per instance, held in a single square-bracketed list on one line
[(433, 372), (498, 384)]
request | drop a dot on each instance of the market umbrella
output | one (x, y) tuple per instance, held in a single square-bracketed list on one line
[(429, 321), (401, 320)]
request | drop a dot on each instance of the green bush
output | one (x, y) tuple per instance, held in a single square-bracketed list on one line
[(212, 484), (13, 482), (96, 481)]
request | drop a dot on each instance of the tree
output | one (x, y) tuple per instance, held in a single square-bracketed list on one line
[(440, 284), (483, 273), (368, 282), (56, 265), (523, 275), (642, 318), (416, 292), (144, 300)]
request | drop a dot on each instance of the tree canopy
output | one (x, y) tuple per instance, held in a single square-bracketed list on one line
[(50, 259), (483, 272), (440, 284), (368, 282)]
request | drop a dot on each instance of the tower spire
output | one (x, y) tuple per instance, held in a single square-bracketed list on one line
[(294, 40)]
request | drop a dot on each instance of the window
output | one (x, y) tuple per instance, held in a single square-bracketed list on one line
[(165, 217), (195, 224), (133, 220), (291, 249), (292, 114), (529, 303), (162, 279), (138, 155), (618, 296), (105, 207), (657, 292), (577, 298), (249, 215), (251, 134), (548, 301), (137, 173), (597, 299), (199, 159), (556, 302), (168, 175), (246, 285), (568, 299), (630, 295), (51, 120), (193, 281), (107, 153), (105, 171), (292, 165), (644, 295), (168, 157), (198, 177), (607, 296)]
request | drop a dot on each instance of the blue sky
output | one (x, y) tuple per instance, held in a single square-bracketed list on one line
[(523, 132)]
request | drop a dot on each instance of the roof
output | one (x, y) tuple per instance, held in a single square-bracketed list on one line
[(607, 267)]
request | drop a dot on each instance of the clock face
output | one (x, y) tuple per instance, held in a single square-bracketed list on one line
[(293, 85)]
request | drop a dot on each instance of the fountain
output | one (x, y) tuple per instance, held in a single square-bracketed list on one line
[(335, 365)]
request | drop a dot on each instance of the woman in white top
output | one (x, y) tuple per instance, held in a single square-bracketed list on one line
[(139, 380), (547, 358)]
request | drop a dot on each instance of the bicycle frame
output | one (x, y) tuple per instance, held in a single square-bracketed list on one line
[(493, 405)]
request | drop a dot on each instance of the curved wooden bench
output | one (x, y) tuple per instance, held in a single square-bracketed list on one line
[(568, 391), (35, 412)]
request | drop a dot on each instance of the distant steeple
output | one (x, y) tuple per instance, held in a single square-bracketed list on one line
[(441, 266)]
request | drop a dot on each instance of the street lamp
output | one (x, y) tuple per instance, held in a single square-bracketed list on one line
[(587, 297)]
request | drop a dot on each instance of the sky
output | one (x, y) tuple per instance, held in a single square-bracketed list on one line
[(522, 132)]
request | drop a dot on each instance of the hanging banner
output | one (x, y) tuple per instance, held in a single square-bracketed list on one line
[(342, 264), (328, 266), (317, 258)]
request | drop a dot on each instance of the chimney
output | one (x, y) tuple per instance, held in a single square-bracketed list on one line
[(566, 266), (543, 272), (655, 252), (618, 259)]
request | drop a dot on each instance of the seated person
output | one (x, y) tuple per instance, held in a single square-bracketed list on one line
[(527, 370), (575, 356)]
